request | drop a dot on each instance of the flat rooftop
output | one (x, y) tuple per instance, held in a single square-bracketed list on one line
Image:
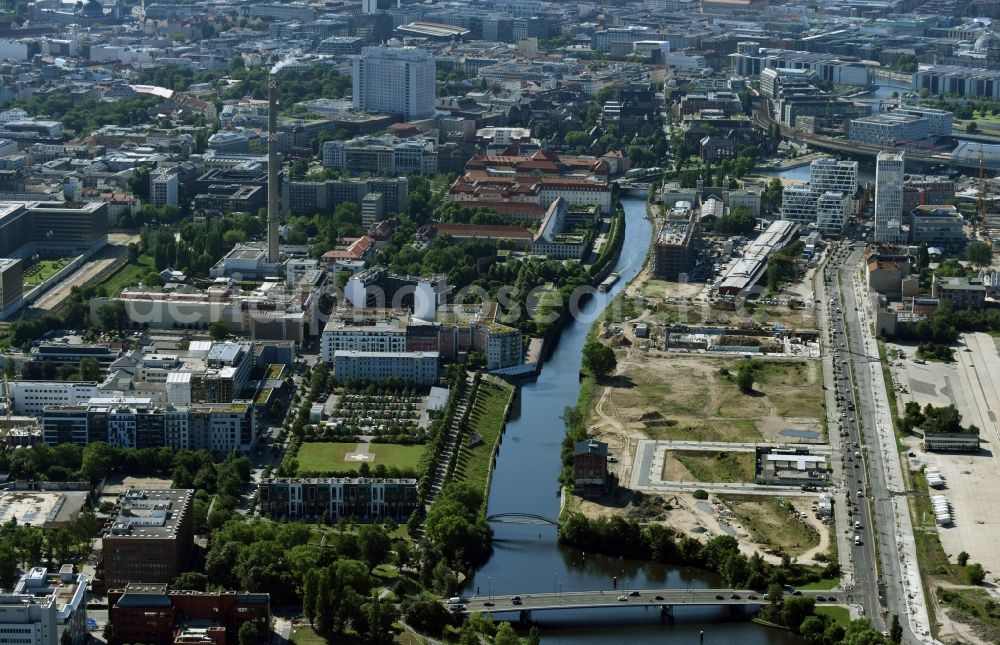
[(153, 514), (47, 509)]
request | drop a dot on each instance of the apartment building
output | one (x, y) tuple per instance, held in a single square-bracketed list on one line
[(394, 80), (364, 330), (163, 185), (353, 497), (135, 422), (418, 367)]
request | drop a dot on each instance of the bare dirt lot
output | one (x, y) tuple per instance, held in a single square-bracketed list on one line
[(779, 526), (694, 397)]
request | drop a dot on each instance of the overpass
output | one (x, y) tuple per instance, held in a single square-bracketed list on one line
[(664, 599), (762, 119)]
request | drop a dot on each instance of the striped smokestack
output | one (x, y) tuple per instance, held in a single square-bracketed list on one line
[(272, 172)]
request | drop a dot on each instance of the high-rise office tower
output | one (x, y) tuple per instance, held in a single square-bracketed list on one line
[(395, 80), (889, 197)]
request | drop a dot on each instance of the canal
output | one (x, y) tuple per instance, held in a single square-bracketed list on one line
[(527, 559)]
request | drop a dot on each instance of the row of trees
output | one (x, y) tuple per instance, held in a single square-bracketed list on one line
[(945, 324), (26, 546), (618, 536)]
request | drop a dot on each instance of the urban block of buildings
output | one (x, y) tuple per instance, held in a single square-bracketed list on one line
[(44, 606)]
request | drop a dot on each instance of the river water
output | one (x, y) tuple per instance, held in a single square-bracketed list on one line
[(527, 559)]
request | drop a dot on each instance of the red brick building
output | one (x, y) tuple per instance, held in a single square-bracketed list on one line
[(590, 467), (151, 538), (148, 613)]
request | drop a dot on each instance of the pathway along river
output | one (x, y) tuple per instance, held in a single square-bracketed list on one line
[(527, 559)]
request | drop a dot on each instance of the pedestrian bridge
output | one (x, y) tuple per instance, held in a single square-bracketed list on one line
[(520, 518), (664, 599)]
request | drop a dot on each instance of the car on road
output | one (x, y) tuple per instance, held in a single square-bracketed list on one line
[(719, 597), (735, 596), (515, 598), (659, 597), (487, 604), (623, 598), (634, 594)]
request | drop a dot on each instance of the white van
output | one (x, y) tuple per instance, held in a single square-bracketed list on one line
[(454, 600)]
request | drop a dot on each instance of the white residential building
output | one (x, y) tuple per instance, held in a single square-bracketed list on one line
[(384, 332), (163, 184), (419, 367), (42, 607), (395, 80), (889, 167)]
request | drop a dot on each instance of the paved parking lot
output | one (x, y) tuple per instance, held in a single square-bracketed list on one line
[(971, 384)]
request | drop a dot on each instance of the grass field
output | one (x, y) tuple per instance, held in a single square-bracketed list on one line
[(325, 456), (772, 525), (930, 554), (487, 419), (717, 467), (821, 585), (794, 388), (839, 615), (43, 270), (129, 275)]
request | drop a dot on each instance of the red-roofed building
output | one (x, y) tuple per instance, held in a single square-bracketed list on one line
[(542, 162), (481, 189), (351, 248)]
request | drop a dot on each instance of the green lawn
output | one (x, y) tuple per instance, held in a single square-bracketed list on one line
[(129, 275), (839, 615), (43, 270), (487, 419), (326, 456), (717, 466), (821, 585)]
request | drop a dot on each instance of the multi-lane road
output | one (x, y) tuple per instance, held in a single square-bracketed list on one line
[(856, 486), (886, 580), (492, 604)]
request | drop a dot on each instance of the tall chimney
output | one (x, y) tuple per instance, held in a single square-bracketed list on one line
[(272, 172)]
